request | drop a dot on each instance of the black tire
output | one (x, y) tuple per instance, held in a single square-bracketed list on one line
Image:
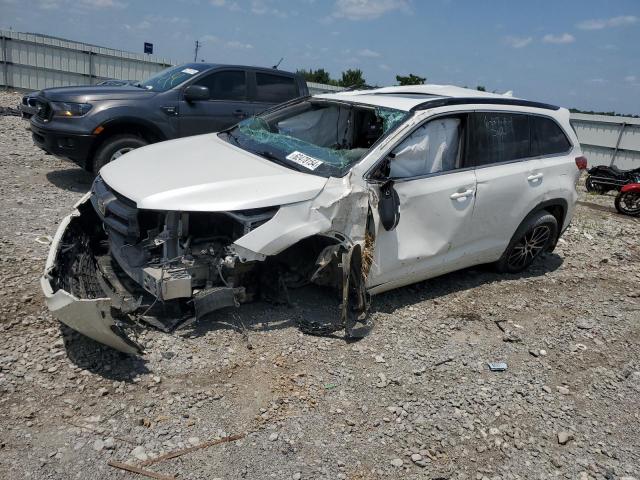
[(112, 146), (592, 187), (628, 203), (535, 235)]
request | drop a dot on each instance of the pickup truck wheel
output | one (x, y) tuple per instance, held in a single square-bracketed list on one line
[(115, 147), (534, 237)]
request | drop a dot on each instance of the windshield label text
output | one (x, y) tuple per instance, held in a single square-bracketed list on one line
[(190, 71), (304, 160)]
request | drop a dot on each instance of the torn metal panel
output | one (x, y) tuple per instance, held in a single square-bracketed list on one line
[(341, 207), (211, 299)]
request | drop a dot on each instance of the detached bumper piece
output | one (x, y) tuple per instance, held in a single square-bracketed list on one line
[(90, 316)]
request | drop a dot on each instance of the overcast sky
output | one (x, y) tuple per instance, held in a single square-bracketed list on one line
[(576, 53)]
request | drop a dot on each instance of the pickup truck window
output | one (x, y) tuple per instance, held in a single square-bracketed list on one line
[(324, 138), (227, 85), (171, 77), (275, 88)]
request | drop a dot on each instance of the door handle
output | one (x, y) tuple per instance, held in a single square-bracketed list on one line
[(535, 178), (461, 195)]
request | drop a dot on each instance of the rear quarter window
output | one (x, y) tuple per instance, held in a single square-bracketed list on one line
[(547, 138), (275, 88)]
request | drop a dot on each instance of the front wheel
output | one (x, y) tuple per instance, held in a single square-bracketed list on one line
[(628, 203), (114, 147), (534, 237)]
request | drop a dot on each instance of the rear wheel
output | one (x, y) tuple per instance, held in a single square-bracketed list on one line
[(628, 203), (593, 187), (114, 147), (534, 237)]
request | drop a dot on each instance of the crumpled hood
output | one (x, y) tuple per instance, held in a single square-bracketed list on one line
[(205, 173)]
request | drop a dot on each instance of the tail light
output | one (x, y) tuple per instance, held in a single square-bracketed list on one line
[(581, 163)]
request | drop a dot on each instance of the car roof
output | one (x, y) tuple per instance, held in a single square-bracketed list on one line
[(202, 66), (412, 97)]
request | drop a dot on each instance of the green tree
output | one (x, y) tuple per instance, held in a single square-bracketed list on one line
[(410, 80), (481, 88), (352, 78), (319, 75)]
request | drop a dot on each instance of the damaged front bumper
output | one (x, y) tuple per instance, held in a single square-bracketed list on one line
[(89, 316), (114, 269)]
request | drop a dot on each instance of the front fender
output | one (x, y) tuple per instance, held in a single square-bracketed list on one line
[(631, 187)]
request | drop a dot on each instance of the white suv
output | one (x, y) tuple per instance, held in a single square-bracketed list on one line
[(359, 191)]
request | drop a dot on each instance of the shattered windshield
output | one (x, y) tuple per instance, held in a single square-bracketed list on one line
[(171, 77), (315, 136)]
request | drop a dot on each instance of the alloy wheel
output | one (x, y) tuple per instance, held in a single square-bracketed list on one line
[(630, 203), (529, 247), (121, 151)]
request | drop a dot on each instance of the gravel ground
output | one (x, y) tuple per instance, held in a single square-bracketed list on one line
[(415, 399)]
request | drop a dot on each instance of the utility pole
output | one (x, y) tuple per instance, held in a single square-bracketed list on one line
[(195, 56)]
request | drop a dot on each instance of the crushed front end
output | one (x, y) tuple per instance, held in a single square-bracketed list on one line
[(114, 268)]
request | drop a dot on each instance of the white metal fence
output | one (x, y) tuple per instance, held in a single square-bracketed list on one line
[(317, 88), (608, 140), (34, 61)]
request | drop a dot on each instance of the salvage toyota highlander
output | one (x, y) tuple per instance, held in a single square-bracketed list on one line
[(357, 191)]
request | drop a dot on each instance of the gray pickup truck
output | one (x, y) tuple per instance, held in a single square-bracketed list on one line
[(93, 125)]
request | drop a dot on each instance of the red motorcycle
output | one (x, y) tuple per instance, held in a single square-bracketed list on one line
[(628, 200)]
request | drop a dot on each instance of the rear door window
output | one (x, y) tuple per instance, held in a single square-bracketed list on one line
[(228, 85), (272, 88), (547, 138), (498, 137)]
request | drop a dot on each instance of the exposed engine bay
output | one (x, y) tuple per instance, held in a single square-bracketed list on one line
[(166, 269)]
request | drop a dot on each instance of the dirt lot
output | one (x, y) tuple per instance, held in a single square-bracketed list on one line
[(415, 399)]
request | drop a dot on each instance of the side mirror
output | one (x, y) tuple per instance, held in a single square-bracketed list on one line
[(389, 206), (194, 93)]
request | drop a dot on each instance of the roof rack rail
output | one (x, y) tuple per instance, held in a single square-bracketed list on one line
[(443, 102)]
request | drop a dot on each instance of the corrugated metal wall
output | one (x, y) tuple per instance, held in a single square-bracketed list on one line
[(34, 62), (608, 140), (317, 88)]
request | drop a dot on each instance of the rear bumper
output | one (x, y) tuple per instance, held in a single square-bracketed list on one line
[(90, 317), (70, 146)]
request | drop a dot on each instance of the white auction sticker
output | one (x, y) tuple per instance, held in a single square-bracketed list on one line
[(304, 160), (190, 71)]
